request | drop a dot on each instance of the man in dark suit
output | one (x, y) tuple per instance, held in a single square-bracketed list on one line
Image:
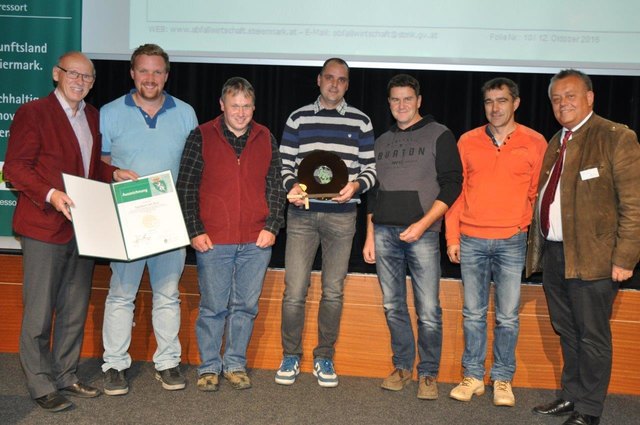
[(50, 136), (585, 238)]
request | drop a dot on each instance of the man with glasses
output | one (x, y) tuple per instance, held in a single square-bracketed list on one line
[(145, 130), (419, 177), (74, 75), (233, 201), (50, 136)]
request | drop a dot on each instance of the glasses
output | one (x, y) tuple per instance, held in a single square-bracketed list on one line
[(238, 108), (74, 75)]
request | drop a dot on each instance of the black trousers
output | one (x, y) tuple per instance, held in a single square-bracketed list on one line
[(580, 311)]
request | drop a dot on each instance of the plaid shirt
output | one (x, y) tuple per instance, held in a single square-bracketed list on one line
[(191, 167)]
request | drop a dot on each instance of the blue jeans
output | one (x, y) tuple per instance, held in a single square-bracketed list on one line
[(164, 273), (480, 261), (306, 230), (230, 279), (423, 258)]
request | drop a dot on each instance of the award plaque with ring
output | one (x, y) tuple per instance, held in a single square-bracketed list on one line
[(323, 173)]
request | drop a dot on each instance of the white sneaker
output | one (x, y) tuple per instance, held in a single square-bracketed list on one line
[(288, 371), (324, 371)]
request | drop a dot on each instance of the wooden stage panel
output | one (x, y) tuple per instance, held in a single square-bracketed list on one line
[(363, 348)]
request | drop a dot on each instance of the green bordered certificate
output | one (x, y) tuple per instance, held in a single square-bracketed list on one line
[(126, 220)]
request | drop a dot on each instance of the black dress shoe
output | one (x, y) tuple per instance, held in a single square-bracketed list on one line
[(81, 390), (578, 418), (558, 407), (53, 402)]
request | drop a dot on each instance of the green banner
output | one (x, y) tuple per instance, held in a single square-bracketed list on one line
[(33, 34)]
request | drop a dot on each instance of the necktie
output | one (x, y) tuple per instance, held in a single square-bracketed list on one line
[(550, 192)]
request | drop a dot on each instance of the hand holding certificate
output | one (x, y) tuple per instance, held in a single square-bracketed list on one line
[(126, 220)]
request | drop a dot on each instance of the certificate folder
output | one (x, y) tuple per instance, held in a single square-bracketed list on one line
[(126, 220)]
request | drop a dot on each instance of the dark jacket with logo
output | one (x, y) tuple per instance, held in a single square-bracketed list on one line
[(415, 167)]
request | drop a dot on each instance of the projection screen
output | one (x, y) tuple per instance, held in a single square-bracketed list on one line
[(498, 35)]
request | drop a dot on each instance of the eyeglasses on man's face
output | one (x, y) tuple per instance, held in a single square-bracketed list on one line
[(74, 75)]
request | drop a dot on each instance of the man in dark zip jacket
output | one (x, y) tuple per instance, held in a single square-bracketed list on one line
[(419, 178)]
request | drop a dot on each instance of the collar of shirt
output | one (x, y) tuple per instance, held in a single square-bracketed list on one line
[(65, 105), (81, 129), (167, 104), (577, 127), (341, 108), (237, 142), (497, 143)]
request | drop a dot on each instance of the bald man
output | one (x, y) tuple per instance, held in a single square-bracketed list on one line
[(50, 136)]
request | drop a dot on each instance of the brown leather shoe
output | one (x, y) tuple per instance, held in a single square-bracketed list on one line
[(208, 382), (239, 379), (398, 379), (427, 388), (53, 402), (81, 390)]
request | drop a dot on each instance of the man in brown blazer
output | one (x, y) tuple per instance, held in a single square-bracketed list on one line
[(585, 237)]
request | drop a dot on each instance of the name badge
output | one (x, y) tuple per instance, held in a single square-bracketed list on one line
[(591, 173)]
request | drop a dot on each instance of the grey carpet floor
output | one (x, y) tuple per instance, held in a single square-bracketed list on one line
[(354, 401)]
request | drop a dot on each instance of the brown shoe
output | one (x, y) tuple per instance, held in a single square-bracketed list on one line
[(398, 379), (208, 382), (503, 394), (80, 390), (467, 388), (427, 388), (239, 379)]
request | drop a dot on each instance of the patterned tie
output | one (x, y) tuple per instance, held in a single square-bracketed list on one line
[(550, 192)]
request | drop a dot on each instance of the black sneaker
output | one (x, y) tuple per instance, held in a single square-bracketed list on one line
[(172, 379), (115, 382)]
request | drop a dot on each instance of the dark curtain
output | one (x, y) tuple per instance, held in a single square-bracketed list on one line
[(452, 97)]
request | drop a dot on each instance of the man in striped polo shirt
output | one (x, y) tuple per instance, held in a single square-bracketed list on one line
[(328, 124)]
